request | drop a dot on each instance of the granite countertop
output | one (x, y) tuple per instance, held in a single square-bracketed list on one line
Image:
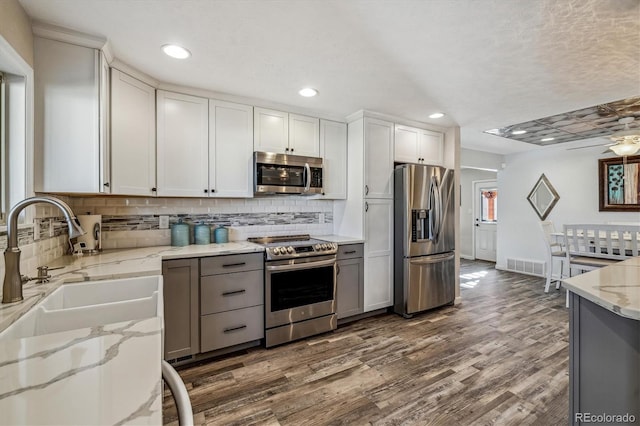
[(338, 239), (109, 374), (615, 287)]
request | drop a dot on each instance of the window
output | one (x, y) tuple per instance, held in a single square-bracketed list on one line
[(489, 205)]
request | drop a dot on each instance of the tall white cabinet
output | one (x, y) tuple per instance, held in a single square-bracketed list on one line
[(71, 107), (230, 149), (333, 150), (182, 145), (368, 210), (133, 136)]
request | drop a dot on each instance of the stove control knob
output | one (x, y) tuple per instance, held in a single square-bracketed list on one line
[(276, 250), (317, 247), (324, 246), (289, 249)]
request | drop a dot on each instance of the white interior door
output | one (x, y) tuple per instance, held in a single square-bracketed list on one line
[(485, 201)]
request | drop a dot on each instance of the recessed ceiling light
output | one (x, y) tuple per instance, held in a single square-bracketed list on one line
[(176, 51), (437, 115), (546, 139), (518, 132), (308, 92)]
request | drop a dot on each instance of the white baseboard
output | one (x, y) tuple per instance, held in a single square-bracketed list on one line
[(464, 256), (457, 300)]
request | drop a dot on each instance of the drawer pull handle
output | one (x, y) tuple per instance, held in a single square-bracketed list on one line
[(229, 330), (229, 265), (232, 293), (349, 252)]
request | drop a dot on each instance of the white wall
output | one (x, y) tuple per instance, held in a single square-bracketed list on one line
[(15, 27), (470, 158), (467, 177), (574, 175)]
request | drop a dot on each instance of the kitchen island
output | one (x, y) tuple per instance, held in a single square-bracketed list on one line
[(604, 329), (108, 374)]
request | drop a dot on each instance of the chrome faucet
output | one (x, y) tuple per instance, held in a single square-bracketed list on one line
[(13, 280)]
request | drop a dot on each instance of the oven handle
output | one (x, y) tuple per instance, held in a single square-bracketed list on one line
[(297, 266)]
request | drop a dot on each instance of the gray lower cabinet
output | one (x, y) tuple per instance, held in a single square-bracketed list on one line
[(181, 310), (604, 364), (350, 280), (231, 300)]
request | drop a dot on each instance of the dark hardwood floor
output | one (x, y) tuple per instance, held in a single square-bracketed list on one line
[(499, 357)]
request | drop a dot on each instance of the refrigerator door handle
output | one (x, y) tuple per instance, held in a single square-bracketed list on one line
[(425, 260), (435, 216)]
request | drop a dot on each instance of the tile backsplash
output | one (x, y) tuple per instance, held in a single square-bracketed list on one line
[(134, 222)]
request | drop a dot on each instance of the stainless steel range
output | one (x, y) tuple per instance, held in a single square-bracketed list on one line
[(300, 287)]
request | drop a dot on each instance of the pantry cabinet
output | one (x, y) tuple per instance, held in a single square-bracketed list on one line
[(133, 136), (71, 118), (378, 157), (378, 247), (182, 145), (333, 150), (420, 146), (350, 280), (284, 133), (230, 149), (368, 211)]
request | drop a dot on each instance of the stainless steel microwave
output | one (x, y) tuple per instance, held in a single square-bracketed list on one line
[(286, 174)]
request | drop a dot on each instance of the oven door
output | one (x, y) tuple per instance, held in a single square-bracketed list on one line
[(299, 289)]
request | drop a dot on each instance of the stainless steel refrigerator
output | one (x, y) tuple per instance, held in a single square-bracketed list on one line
[(424, 234)]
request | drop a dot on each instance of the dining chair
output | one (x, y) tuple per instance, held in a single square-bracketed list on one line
[(555, 250)]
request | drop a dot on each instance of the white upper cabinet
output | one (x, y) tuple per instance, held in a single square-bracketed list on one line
[(284, 133), (230, 149), (133, 136), (182, 145), (419, 146), (304, 136), (333, 150), (70, 135), (271, 130), (378, 150), (431, 147)]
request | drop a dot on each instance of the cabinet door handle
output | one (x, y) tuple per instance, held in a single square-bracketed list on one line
[(233, 293), (230, 329), (286, 150), (229, 265), (213, 190), (366, 190), (206, 190), (349, 252), (106, 184), (154, 189), (291, 149), (366, 206)]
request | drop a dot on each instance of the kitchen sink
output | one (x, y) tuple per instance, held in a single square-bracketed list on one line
[(89, 304)]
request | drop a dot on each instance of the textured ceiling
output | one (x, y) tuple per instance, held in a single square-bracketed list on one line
[(486, 64), (586, 123)]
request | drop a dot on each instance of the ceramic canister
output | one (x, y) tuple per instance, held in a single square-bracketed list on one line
[(180, 234), (202, 234), (222, 235)]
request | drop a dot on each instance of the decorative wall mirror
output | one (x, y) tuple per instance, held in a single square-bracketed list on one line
[(543, 197)]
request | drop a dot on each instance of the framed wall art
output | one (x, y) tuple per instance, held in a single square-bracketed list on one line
[(619, 184)]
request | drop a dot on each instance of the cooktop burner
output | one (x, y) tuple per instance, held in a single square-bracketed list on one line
[(294, 246)]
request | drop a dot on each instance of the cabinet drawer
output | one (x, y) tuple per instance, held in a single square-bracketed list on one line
[(231, 328), (219, 293), (231, 263), (350, 251)]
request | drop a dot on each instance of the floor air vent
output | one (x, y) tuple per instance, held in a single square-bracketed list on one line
[(530, 267)]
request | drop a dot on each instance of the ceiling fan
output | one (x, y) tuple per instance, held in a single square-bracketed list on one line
[(624, 142)]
